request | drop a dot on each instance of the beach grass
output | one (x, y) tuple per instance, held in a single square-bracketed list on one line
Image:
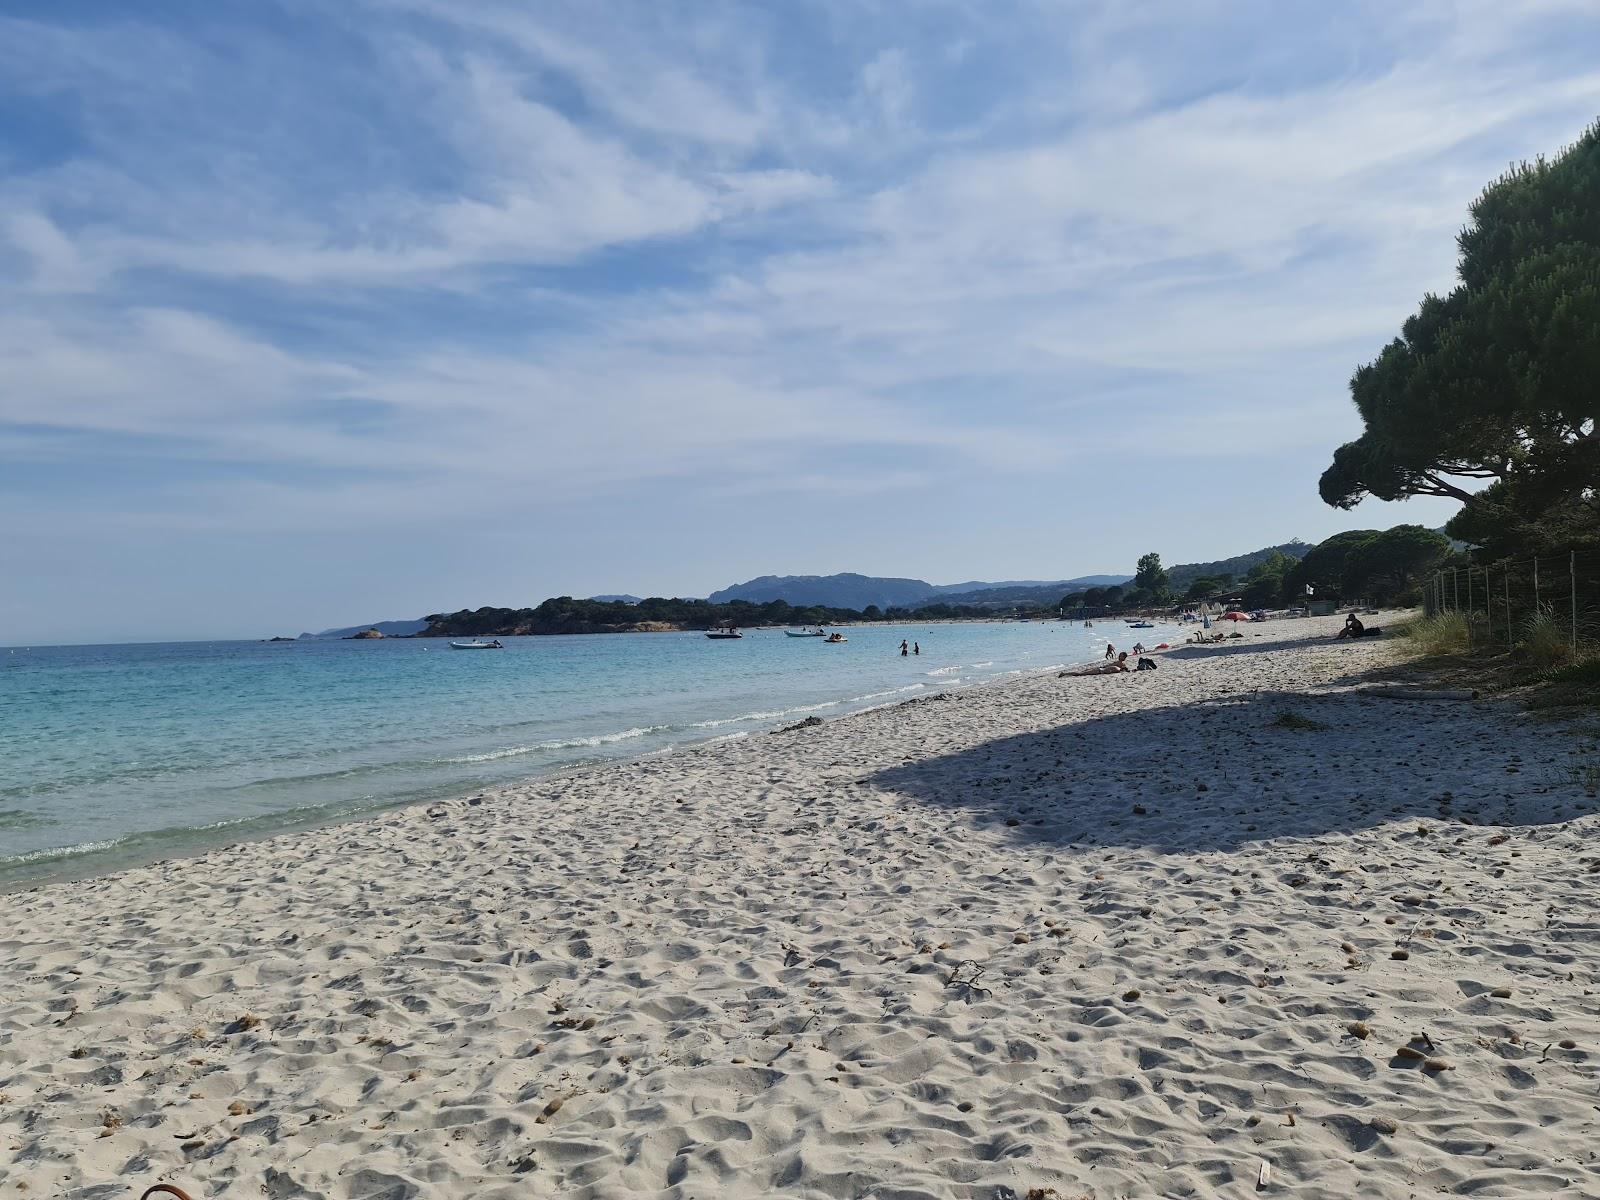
[(1582, 672), (1585, 775), (1545, 641), (1441, 634)]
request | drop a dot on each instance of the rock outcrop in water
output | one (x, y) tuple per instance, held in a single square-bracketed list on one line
[(387, 628)]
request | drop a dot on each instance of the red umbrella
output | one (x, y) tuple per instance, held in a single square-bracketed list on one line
[(1235, 615)]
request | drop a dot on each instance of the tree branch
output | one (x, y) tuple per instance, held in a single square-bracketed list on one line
[(1441, 488)]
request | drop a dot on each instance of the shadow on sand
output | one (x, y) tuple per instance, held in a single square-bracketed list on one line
[(1254, 766)]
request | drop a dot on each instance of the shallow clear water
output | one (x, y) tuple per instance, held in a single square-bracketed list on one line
[(111, 754)]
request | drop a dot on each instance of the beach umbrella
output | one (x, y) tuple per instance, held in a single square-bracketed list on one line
[(1235, 615)]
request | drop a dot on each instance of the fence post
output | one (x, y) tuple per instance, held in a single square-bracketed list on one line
[(1573, 562), (1455, 588), (1508, 606)]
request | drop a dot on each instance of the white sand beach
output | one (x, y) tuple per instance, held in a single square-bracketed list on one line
[(1105, 937)]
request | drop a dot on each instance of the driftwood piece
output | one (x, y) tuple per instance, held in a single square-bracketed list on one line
[(1401, 692)]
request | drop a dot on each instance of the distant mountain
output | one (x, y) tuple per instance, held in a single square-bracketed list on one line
[(850, 590), (830, 591), (624, 599), (387, 628)]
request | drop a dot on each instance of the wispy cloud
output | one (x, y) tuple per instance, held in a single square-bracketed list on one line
[(408, 260)]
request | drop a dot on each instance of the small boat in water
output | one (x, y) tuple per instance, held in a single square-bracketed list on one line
[(494, 645), (834, 639), (813, 633), (723, 635), (1141, 625)]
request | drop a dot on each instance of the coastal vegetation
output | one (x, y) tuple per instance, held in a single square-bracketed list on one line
[(1366, 565), (1184, 577), (1488, 395), (564, 614), (1380, 566), (1541, 665)]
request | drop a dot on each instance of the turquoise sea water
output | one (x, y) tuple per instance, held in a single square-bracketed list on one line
[(112, 754)]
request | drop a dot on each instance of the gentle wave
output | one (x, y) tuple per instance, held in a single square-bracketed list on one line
[(910, 687), (767, 716), (942, 671), (753, 716), (779, 714), (599, 739), (150, 841), (54, 852)]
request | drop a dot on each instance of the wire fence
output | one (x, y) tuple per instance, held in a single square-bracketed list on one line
[(1507, 596)]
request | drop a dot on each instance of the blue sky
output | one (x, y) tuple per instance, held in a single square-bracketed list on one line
[(318, 313)]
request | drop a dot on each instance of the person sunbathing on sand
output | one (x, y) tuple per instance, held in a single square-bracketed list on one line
[(1110, 668)]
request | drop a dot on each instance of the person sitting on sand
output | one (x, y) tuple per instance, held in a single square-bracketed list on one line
[(1110, 668), (1352, 627), (1111, 651)]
